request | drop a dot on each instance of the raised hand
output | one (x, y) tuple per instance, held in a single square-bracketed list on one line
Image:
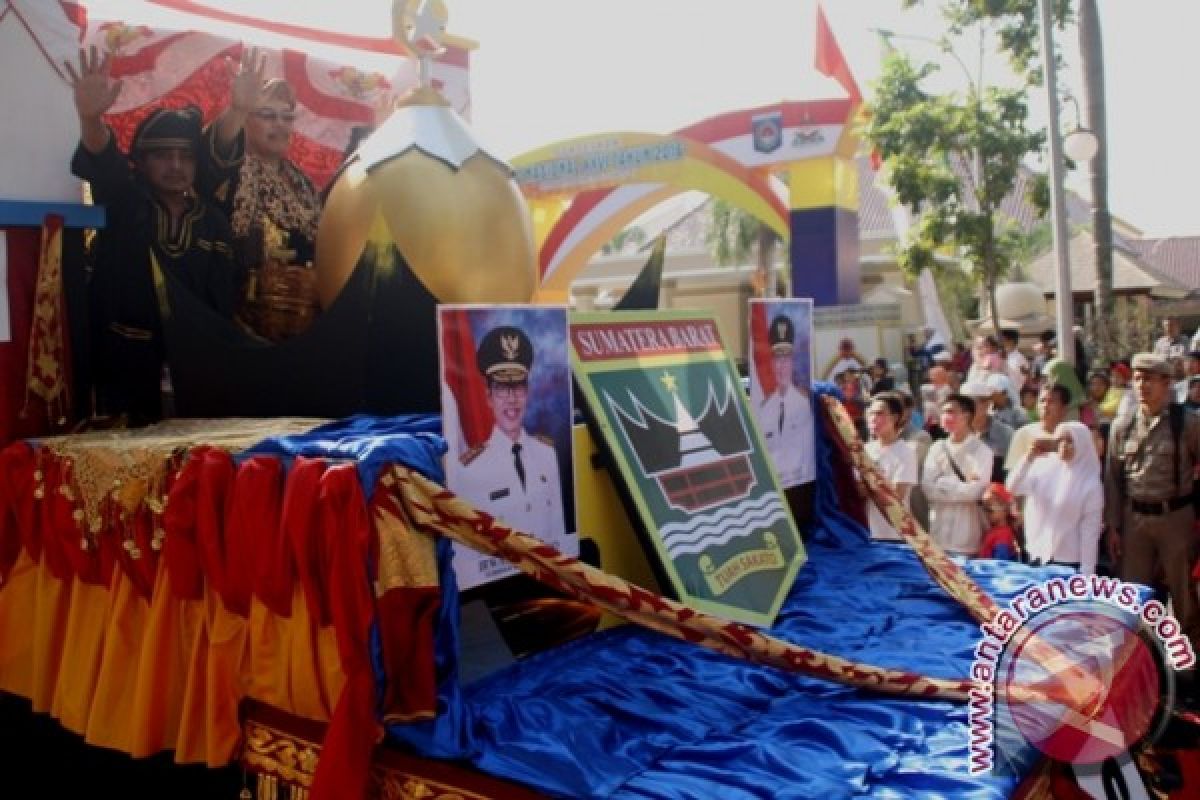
[(382, 108), (94, 89), (248, 79)]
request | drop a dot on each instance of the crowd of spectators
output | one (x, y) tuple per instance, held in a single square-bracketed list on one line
[(1003, 449)]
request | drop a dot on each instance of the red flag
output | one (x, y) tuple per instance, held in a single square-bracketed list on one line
[(761, 348), (76, 14), (470, 391), (829, 59)]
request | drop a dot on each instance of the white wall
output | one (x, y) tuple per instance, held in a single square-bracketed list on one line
[(38, 126)]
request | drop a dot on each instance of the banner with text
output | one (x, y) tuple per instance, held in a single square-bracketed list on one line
[(671, 412)]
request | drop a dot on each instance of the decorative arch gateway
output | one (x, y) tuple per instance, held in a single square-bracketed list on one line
[(790, 165)]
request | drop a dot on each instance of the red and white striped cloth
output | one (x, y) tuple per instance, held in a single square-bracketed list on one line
[(173, 52)]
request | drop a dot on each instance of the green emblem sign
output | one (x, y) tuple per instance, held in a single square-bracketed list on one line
[(671, 412)]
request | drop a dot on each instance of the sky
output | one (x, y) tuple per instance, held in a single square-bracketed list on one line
[(552, 69)]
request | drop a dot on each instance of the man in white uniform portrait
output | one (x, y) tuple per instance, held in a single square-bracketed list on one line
[(785, 415), (513, 475)]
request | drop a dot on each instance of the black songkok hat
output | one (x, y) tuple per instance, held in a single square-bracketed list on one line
[(782, 335), (167, 128), (505, 355)]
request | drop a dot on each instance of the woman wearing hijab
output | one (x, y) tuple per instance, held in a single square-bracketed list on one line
[(1064, 498)]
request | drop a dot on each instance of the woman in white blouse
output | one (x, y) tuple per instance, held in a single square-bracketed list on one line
[(1064, 498), (956, 474), (895, 458)]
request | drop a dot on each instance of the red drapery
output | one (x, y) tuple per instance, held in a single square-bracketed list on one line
[(227, 534), (23, 250)]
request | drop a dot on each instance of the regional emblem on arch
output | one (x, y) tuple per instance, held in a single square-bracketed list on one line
[(767, 130)]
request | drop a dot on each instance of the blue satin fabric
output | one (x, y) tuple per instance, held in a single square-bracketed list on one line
[(632, 714), (833, 527), (414, 440)]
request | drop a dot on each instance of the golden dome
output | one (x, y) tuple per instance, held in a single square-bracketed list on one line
[(453, 211)]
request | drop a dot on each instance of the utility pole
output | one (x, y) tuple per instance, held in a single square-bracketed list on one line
[(1064, 305)]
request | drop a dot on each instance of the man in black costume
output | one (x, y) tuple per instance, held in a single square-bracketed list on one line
[(157, 229)]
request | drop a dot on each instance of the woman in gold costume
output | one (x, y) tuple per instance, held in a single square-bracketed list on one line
[(272, 205)]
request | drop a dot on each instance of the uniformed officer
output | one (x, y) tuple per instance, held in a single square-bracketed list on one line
[(785, 415), (513, 475), (1148, 488)]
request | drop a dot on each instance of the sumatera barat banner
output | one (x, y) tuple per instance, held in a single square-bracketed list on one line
[(672, 414)]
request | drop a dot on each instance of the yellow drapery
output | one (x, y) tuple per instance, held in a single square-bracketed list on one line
[(168, 674)]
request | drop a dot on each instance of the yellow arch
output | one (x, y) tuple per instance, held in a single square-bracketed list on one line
[(569, 234)]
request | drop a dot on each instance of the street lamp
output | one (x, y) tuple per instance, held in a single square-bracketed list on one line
[(1080, 144)]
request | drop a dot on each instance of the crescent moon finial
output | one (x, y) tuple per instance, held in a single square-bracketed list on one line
[(419, 26)]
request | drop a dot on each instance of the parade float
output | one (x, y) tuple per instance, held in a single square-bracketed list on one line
[(269, 582)]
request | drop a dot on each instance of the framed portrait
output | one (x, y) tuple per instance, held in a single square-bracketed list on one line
[(780, 366), (507, 412)]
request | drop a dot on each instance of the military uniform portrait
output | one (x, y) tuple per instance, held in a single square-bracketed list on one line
[(780, 394), (504, 424)]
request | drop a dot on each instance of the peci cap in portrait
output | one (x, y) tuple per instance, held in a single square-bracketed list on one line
[(782, 335), (505, 355)]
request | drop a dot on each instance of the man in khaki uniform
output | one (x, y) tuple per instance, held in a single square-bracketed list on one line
[(1148, 489)]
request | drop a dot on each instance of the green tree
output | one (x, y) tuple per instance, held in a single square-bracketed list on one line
[(1018, 28), (633, 235), (951, 159), (734, 236), (1014, 23)]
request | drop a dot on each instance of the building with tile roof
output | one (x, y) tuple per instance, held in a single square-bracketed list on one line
[(1133, 272), (1178, 258)]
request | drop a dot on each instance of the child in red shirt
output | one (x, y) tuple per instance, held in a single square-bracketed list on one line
[(1000, 540)]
